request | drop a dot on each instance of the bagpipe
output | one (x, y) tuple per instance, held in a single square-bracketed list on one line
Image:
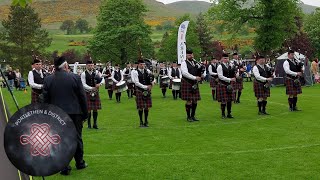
[(201, 68), (94, 92)]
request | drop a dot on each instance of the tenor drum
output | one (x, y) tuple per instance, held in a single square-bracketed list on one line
[(109, 83), (176, 84), (121, 86), (165, 80)]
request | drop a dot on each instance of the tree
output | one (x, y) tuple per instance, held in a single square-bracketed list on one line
[(313, 30), (204, 34), (121, 32), (68, 25), (271, 18), (168, 50), (82, 25), (22, 34)]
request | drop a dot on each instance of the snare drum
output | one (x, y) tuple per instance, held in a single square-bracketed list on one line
[(121, 86), (176, 84)]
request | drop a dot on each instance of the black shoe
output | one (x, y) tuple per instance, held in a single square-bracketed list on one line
[(66, 171), (260, 113), (291, 109), (189, 119), (95, 127), (230, 116), (194, 119), (89, 127), (141, 125), (295, 109), (146, 125), (238, 101), (223, 117), (265, 113), (82, 165)]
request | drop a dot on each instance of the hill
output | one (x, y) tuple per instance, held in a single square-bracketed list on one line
[(308, 9), (192, 7), (53, 12)]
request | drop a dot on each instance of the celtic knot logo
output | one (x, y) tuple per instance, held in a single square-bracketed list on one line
[(40, 139)]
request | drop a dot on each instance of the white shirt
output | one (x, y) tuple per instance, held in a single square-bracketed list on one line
[(83, 80), (210, 70), (125, 69), (31, 80), (257, 74), (184, 71), (170, 71), (286, 67), (220, 73), (105, 69), (112, 76), (135, 78)]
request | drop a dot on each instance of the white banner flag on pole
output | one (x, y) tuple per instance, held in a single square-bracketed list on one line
[(181, 45)]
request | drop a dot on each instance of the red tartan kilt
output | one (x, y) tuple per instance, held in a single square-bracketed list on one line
[(130, 85), (222, 95), (260, 91), (239, 85), (186, 92), (93, 105), (213, 82), (141, 102), (163, 85), (114, 87), (34, 97), (291, 89)]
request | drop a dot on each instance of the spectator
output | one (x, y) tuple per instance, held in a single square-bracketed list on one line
[(11, 77), (17, 79)]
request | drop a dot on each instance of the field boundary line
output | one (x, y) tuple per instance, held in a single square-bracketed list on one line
[(206, 153)]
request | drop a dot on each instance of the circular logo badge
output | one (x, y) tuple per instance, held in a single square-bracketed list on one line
[(40, 139)]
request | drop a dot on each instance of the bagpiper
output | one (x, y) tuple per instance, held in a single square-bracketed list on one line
[(294, 70), (225, 94), (92, 80), (143, 82), (262, 83)]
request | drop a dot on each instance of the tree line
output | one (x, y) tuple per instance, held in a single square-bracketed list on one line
[(121, 34)]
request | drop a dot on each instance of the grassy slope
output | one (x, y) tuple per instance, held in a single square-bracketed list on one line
[(281, 146), (193, 7)]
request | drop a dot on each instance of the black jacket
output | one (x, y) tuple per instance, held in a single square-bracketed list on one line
[(66, 91)]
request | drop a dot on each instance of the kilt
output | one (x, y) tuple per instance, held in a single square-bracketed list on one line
[(163, 85), (93, 105), (239, 85), (222, 95), (292, 89), (141, 101), (186, 92), (107, 85), (114, 86), (260, 91), (130, 85), (34, 97), (213, 82)]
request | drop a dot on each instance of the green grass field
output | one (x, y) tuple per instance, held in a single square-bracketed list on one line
[(284, 145), (60, 41)]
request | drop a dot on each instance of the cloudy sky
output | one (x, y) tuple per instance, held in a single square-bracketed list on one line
[(311, 2)]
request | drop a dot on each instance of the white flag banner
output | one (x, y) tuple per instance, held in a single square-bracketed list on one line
[(181, 45)]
